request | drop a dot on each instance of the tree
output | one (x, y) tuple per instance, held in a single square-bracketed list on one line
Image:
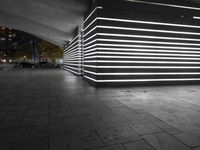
[(51, 50)]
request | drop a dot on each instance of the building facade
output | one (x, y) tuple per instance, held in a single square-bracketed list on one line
[(131, 42)]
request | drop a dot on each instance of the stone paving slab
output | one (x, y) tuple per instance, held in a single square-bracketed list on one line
[(138, 145)]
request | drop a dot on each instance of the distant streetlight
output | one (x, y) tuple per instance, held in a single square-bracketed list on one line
[(24, 58)]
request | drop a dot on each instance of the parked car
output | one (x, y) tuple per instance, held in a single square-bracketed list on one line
[(27, 65)]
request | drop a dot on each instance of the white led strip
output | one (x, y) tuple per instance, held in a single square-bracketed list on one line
[(140, 62), (142, 73), (148, 22), (135, 57), (74, 39), (146, 36), (139, 41), (99, 49), (147, 30), (138, 50), (72, 48), (85, 40), (72, 68), (70, 64), (150, 54), (142, 80), (142, 22), (143, 67), (98, 7), (73, 44), (163, 4), (143, 46), (72, 71)]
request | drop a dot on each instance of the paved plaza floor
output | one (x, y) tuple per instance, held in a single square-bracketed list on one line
[(55, 110)]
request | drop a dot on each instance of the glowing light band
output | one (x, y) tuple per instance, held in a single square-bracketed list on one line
[(142, 73), (150, 54), (144, 67), (135, 57)]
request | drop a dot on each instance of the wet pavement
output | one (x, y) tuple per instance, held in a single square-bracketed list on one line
[(51, 109)]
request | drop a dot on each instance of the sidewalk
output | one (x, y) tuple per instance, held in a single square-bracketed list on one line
[(52, 109)]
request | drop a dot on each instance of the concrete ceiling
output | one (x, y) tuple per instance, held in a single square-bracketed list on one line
[(52, 20)]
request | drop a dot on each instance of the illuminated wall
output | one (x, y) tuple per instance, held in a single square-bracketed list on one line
[(72, 55), (130, 42)]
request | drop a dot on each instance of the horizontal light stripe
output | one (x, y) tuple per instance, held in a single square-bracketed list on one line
[(141, 29), (72, 48), (150, 54), (74, 59), (90, 78), (135, 57), (163, 4), (146, 73), (98, 7), (78, 65), (74, 39), (195, 17), (90, 24), (90, 31), (148, 42), (146, 36), (144, 67), (73, 68), (142, 22), (148, 22), (147, 30), (141, 62), (89, 47), (143, 80), (77, 43), (139, 50), (86, 39), (143, 42), (85, 44), (143, 46), (75, 50), (72, 71)]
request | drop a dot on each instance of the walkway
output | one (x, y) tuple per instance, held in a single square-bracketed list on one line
[(55, 110)]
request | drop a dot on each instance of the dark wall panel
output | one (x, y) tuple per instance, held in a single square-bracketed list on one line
[(123, 44)]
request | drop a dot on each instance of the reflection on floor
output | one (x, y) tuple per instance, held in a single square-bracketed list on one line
[(55, 110)]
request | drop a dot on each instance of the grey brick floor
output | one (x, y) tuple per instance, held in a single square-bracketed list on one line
[(55, 110)]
